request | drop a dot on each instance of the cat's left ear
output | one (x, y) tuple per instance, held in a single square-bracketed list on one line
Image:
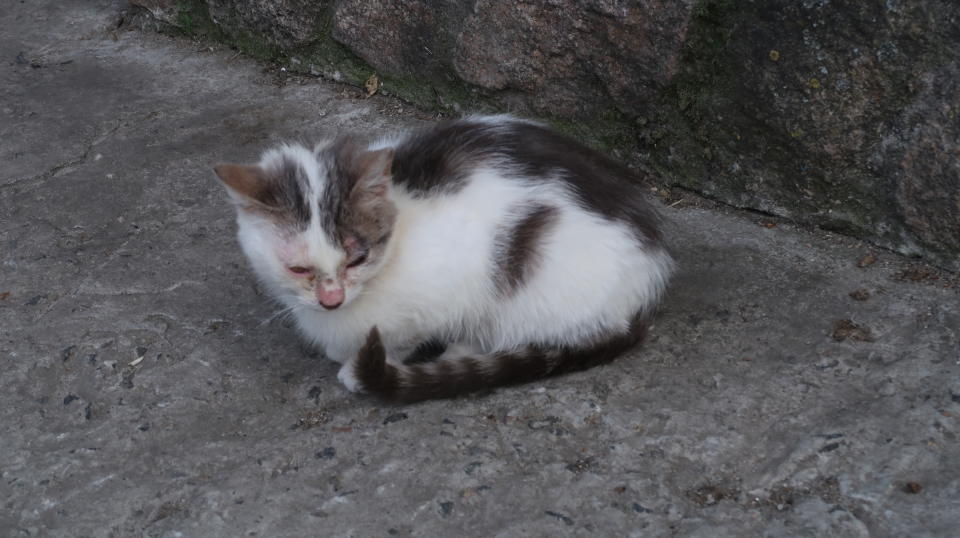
[(374, 170), (245, 183)]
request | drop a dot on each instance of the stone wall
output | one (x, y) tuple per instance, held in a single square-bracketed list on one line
[(836, 114)]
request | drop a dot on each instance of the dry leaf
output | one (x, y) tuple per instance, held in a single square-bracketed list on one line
[(912, 487), (860, 295), (372, 85), (866, 261), (845, 328), (916, 274)]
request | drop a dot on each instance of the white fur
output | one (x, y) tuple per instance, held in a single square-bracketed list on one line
[(436, 281)]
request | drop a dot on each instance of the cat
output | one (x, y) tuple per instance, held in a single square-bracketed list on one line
[(478, 252)]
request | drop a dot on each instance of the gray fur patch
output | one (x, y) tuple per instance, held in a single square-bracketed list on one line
[(335, 161), (286, 194)]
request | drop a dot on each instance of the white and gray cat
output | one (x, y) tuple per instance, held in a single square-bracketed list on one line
[(478, 252)]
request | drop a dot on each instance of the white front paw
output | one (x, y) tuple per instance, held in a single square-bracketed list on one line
[(348, 377)]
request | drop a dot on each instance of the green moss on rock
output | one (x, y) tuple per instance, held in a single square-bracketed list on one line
[(193, 19)]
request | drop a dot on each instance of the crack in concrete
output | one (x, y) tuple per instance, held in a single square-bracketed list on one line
[(95, 271), (140, 291), (76, 161)]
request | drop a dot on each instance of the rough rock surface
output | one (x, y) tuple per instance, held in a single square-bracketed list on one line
[(840, 115), (792, 384), (288, 25), (563, 59)]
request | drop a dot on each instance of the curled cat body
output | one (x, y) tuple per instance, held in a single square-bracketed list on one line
[(492, 246)]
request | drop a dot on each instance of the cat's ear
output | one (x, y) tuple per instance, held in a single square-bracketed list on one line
[(245, 183), (373, 170)]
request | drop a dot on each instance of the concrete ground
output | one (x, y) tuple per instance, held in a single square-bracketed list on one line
[(794, 384)]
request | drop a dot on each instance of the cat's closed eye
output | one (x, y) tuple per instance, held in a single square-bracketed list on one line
[(300, 270), (358, 260)]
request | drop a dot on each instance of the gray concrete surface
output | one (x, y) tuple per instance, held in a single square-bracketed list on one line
[(144, 391)]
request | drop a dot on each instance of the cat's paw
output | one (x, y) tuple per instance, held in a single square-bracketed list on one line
[(348, 377)]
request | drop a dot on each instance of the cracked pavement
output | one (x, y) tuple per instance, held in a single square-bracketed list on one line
[(795, 382)]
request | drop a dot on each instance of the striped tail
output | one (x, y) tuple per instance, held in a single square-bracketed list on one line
[(450, 377)]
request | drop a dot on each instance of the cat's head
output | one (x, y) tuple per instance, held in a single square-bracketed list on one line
[(314, 224)]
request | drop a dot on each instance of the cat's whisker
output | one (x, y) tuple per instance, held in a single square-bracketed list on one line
[(285, 311)]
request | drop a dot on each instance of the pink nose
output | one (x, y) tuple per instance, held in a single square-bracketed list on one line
[(329, 297)]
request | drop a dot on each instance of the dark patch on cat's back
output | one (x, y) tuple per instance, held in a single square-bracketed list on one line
[(599, 183), (519, 247), (440, 159)]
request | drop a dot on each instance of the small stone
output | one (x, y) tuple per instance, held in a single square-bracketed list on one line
[(581, 465), (396, 417), (445, 508), (860, 295), (887, 388), (311, 419), (912, 488), (472, 467), (544, 423), (126, 380), (827, 364), (566, 520)]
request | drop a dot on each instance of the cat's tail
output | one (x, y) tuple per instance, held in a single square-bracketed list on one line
[(453, 376)]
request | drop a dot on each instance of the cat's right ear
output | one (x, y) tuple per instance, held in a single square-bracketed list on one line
[(245, 183)]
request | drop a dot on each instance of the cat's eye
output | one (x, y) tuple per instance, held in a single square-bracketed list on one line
[(299, 270), (358, 260)]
